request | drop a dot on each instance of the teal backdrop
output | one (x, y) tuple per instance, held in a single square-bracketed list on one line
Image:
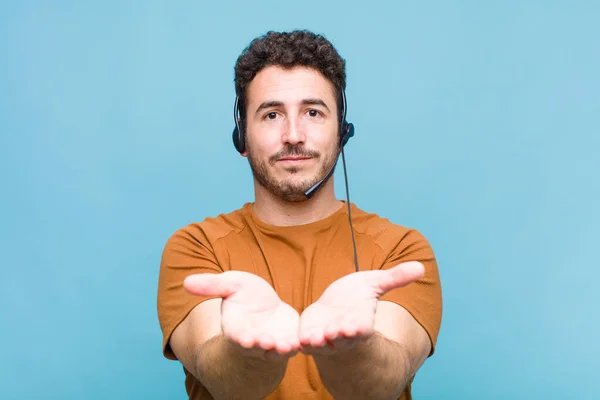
[(476, 123)]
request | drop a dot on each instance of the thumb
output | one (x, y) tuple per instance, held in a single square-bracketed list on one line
[(401, 275), (210, 284)]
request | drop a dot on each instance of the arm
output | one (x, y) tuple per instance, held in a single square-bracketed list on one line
[(365, 347), (380, 366), (229, 329), (217, 362)]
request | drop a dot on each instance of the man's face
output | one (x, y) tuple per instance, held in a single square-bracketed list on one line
[(291, 129)]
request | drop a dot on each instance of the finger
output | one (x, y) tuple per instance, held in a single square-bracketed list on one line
[(246, 348), (258, 347), (294, 342), (337, 327), (246, 340), (400, 275), (364, 326), (313, 339), (317, 340), (326, 349), (286, 348), (282, 347), (266, 342), (332, 331), (209, 284), (287, 343), (363, 331), (349, 329), (305, 335)]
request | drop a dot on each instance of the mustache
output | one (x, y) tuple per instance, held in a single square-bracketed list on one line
[(294, 151)]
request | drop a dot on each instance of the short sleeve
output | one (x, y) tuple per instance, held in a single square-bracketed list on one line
[(422, 298), (187, 252)]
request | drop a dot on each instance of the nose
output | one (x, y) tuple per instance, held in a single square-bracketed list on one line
[(293, 132)]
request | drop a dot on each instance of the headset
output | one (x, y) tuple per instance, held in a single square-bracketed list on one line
[(346, 131)]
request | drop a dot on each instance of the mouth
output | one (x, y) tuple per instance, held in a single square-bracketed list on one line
[(293, 159)]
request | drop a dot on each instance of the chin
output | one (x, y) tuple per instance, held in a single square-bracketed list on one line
[(291, 190), (289, 183), (293, 197)]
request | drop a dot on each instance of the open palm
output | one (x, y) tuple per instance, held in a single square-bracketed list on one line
[(345, 312), (252, 314)]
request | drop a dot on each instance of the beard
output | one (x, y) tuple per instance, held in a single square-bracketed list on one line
[(289, 189)]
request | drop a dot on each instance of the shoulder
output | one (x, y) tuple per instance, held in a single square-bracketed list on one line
[(384, 233), (210, 230)]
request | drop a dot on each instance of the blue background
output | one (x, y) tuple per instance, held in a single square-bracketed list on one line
[(477, 123)]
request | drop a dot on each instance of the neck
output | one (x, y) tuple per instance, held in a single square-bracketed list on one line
[(275, 211)]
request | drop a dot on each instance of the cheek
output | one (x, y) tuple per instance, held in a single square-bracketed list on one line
[(328, 143), (261, 143), (327, 136)]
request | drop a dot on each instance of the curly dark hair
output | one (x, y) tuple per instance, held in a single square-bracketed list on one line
[(288, 50)]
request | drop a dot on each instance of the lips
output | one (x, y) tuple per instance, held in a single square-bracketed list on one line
[(294, 158)]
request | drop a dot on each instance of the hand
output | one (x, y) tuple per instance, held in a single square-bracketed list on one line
[(345, 313), (253, 317)]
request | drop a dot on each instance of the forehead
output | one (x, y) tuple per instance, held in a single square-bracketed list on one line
[(289, 85)]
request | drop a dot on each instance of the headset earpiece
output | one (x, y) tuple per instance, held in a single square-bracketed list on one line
[(239, 141), (346, 129), (346, 133)]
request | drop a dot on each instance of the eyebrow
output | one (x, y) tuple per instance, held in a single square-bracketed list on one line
[(274, 103), (316, 102)]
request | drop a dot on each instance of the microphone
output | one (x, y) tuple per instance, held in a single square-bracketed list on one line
[(314, 188)]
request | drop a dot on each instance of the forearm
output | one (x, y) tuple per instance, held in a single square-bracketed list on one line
[(376, 369), (229, 375)]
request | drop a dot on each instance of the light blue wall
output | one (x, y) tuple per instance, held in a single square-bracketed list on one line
[(477, 123)]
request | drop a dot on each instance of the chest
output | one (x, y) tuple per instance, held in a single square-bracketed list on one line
[(299, 269)]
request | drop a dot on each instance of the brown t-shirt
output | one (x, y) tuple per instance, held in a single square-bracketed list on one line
[(300, 262)]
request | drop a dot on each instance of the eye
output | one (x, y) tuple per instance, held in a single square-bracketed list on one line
[(271, 115), (313, 113)]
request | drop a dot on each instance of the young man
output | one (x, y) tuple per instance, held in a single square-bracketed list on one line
[(265, 301)]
